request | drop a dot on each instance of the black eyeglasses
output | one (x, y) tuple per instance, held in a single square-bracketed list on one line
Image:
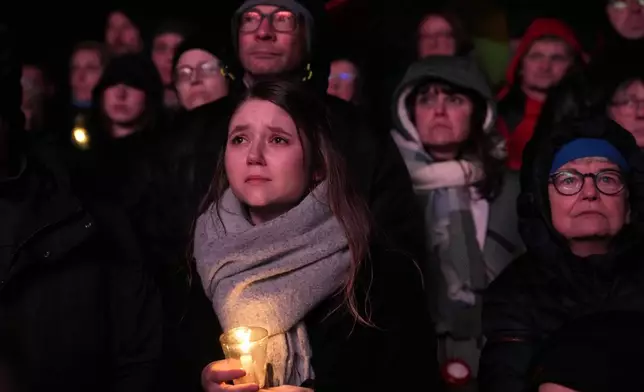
[(570, 182), (281, 20), (185, 73)]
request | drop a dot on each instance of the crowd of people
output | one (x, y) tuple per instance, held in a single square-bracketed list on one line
[(475, 237)]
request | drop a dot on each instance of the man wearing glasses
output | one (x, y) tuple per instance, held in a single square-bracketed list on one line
[(285, 39), (288, 39), (270, 40)]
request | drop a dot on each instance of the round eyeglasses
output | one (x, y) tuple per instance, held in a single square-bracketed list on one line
[(282, 21), (570, 182), (185, 73)]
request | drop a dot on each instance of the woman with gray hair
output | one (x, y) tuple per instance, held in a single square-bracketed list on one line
[(580, 211)]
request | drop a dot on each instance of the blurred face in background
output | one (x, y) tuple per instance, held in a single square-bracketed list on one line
[(549, 387), (342, 80), (545, 64), (198, 79), (33, 93), (627, 17), (627, 109), (121, 35), (163, 49), (123, 105), (86, 70), (271, 40), (436, 37)]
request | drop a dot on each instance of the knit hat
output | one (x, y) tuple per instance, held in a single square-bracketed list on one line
[(595, 353), (134, 70), (172, 26), (205, 42)]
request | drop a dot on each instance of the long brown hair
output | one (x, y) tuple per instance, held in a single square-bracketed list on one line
[(310, 116)]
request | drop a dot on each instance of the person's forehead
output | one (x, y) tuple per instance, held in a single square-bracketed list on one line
[(118, 17), (195, 56), (549, 45), (265, 9), (31, 71), (590, 164), (633, 87), (169, 36), (343, 66), (433, 23), (86, 54), (262, 112)]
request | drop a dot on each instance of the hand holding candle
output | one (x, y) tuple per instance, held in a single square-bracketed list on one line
[(248, 346)]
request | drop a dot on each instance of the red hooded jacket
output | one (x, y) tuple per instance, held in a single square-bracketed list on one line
[(518, 137)]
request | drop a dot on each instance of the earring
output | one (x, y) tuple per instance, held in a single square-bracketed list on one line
[(309, 73), (224, 72)]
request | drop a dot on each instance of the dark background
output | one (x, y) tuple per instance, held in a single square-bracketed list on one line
[(48, 31)]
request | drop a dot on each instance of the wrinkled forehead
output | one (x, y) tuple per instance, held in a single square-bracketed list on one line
[(195, 56), (434, 22), (589, 164)]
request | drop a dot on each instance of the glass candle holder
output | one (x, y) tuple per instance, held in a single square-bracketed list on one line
[(248, 346)]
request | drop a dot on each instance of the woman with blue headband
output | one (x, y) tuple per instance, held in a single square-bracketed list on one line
[(580, 216)]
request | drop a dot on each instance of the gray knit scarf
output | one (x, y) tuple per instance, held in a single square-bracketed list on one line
[(273, 274)]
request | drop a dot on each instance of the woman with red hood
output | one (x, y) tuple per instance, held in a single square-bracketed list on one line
[(548, 51)]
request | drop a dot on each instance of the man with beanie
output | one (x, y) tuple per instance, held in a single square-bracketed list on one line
[(286, 39), (76, 307)]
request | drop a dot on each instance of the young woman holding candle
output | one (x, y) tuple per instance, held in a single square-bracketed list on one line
[(286, 243)]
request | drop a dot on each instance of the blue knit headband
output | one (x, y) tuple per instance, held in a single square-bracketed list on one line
[(586, 148)]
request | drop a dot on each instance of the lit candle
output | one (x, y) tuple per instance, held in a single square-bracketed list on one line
[(248, 345), (243, 337)]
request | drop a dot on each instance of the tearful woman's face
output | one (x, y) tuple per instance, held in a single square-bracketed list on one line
[(266, 159)]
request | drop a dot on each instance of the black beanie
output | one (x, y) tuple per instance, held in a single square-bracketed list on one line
[(595, 353), (205, 42), (134, 70), (172, 26)]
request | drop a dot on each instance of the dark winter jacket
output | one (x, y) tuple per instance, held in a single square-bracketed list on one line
[(548, 285), (75, 302)]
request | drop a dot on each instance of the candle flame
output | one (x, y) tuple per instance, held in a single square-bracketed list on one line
[(243, 337)]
